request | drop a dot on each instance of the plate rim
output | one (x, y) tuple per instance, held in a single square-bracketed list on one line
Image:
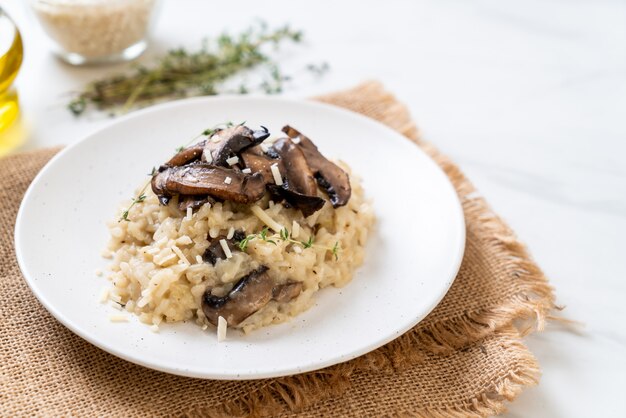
[(312, 366)]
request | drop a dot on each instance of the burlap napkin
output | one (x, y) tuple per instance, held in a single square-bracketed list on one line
[(464, 360)]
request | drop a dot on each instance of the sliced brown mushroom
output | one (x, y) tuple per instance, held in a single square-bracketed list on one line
[(187, 155), (252, 292), (332, 179), (206, 179), (286, 292), (215, 251), (259, 162), (299, 188), (159, 187), (193, 202), (308, 205), (295, 167), (227, 143)]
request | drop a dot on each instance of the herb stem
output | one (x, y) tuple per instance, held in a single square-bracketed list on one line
[(285, 236), (180, 73)]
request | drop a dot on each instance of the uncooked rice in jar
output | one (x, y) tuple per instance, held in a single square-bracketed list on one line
[(95, 28)]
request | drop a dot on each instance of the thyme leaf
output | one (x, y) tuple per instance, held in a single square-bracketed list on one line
[(309, 243), (335, 250)]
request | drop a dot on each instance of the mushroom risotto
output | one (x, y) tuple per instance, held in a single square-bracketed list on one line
[(238, 230)]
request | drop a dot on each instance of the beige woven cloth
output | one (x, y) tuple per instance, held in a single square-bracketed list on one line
[(466, 359)]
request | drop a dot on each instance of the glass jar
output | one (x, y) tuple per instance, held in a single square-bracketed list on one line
[(97, 31), (11, 53)]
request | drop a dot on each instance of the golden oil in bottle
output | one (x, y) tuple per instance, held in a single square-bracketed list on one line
[(11, 54)]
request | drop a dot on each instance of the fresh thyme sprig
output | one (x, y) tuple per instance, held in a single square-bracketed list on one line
[(285, 235), (181, 73), (136, 200)]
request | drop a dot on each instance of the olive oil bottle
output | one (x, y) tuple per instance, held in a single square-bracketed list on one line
[(11, 54)]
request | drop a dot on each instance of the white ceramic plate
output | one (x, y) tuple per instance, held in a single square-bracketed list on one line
[(412, 258)]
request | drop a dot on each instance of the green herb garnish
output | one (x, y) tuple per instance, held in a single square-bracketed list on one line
[(285, 236), (183, 73), (136, 200)]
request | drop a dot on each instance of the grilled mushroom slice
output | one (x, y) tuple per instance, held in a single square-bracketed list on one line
[(206, 179), (299, 188), (252, 292), (308, 205), (295, 167), (332, 179), (193, 202), (227, 143), (187, 155), (158, 184), (259, 162), (286, 292)]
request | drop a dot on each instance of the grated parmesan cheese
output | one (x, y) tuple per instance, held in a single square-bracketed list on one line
[(231, 232), (246, 171), (297, 249), (118, 318), (265, 218), (154, 328), (199, 259), (189, 213), (228, 180), (184, 240), (232, 160), (208, 156), (99, 273), (165, 256), (180, 255), (295, 140), (278, 179), (226, 249), (222, 326), (295, 229), (104, 295)]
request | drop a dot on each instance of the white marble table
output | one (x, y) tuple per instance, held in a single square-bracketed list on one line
[(529, 97)]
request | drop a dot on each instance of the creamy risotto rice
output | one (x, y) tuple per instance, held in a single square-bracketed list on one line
[(160, 273)]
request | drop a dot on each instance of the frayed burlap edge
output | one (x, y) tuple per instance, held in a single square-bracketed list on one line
[(492, 401), (521, 315), (296, 393)]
